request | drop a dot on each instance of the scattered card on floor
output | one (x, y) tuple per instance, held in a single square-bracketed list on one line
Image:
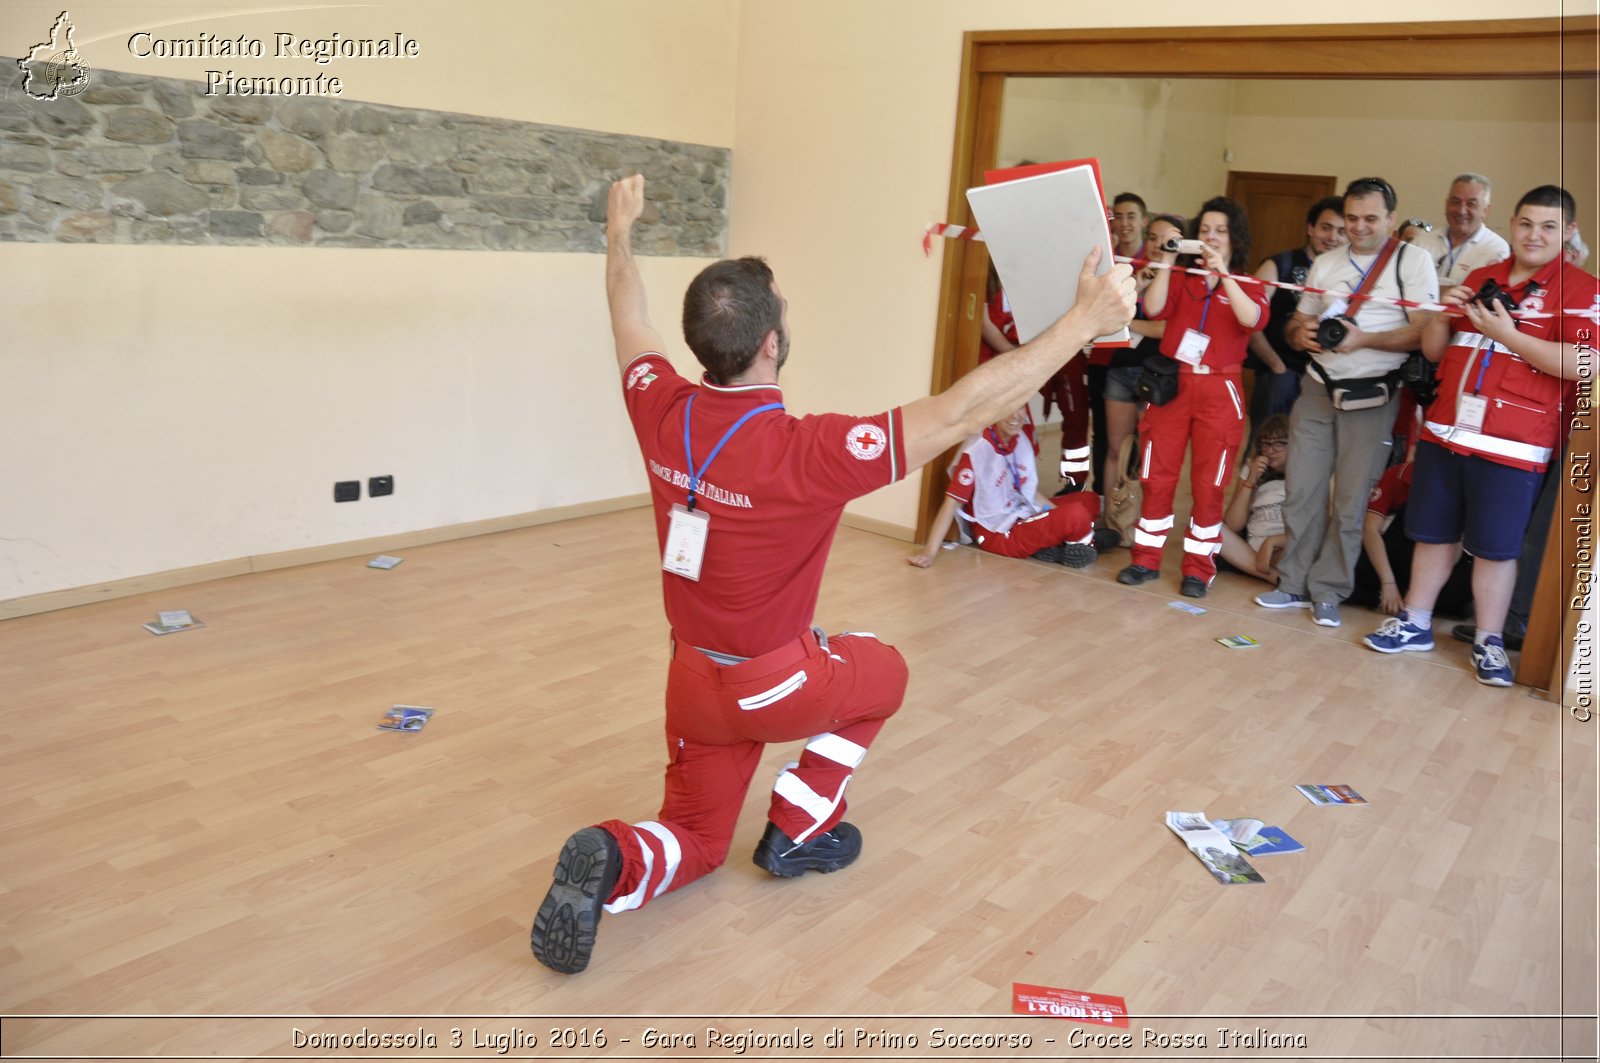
[(1270, 840), (405, 718), (1239, 642), (384, 561), (1319, 794), (1073, 1004), (173, 620), (1192, 610)]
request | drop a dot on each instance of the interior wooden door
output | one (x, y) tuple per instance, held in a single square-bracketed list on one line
[(1276, 204)]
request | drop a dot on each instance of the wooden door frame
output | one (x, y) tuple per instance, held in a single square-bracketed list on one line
[(1510, 48)]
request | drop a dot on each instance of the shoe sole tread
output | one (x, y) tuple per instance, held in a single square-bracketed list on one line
[(564, 929)]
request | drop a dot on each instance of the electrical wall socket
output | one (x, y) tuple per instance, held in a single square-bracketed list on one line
[(378, 486), (347, 491)]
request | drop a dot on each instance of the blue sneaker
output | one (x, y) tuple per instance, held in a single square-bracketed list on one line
[(1494, 667), (1397, 635)]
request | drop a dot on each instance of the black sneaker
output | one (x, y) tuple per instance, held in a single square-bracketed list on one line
[(586, 873), (1192, 587), (1134, 575), (1106, 539), (1073, 555), (836, 849)]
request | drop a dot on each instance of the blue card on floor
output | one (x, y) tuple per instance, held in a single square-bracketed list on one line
[(405, 718), (1270, 840)]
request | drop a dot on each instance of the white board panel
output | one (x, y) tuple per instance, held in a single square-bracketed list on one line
[(1039, 230)]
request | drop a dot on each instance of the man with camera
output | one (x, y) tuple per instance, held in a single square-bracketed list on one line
[(1505, 349), (1341, 426)]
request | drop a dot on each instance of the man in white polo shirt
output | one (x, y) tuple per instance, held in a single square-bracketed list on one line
[(1341, 427), (1467, 243)]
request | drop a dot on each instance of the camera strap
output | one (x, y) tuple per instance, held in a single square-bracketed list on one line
[(1370, 278)]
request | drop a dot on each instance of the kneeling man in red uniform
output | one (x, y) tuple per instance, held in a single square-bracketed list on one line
[(1495, 426), (747, 499)]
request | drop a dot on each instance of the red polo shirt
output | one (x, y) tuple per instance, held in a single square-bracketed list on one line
[(774, 496)]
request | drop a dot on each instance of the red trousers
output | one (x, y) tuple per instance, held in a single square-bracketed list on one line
[(1071, 521), (1208, 415), (834, 693), (1069, 389)]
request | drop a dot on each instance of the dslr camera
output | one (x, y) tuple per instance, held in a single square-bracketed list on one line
[(1183, 247), (1492, 293), (1331, 331)]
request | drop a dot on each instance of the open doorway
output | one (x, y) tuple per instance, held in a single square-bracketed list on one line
[(1562, 52)]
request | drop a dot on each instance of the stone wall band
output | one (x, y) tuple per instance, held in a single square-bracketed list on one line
[(139, 159)]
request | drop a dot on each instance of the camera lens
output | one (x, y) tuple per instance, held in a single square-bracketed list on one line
[(1331, 332)]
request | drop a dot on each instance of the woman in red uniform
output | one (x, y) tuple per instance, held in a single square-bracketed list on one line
[(1209, 322)]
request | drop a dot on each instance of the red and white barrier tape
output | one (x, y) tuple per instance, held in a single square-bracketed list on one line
[(964, 232), (949, 232)]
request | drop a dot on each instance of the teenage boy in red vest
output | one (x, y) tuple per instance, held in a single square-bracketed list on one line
[(1496, 424)]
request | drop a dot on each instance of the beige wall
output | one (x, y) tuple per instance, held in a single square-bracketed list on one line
[(624, 66), (184, 405), (1167, 139), (1158, 137)]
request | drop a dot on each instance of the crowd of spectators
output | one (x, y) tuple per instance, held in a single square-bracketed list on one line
[(1407, 389)]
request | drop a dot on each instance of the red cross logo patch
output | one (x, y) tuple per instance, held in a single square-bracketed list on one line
[(865, 441), (640, 376)]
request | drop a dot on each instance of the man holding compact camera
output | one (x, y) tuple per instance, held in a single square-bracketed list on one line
[(1341, 426), (1506, 349)]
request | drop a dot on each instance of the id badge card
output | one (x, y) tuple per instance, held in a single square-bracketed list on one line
[(1192, 348), (1470, 411), (686, 541)]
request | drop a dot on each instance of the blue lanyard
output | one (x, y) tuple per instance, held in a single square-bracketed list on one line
[(1358, 269), (1016, 476), (688, 452), (1206, 310)]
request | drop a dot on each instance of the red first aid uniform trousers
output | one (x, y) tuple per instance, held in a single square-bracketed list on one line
[(1207, 417), (747, 668), (1067, 388), (997, 482)]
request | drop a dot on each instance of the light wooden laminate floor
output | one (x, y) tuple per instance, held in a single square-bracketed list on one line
[(209, 823)]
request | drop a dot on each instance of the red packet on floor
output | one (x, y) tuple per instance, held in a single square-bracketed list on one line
[(1071, 1004)]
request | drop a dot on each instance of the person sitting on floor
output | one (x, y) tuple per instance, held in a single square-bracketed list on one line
[(995, 485), (1252, 527), (1384, 569)]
